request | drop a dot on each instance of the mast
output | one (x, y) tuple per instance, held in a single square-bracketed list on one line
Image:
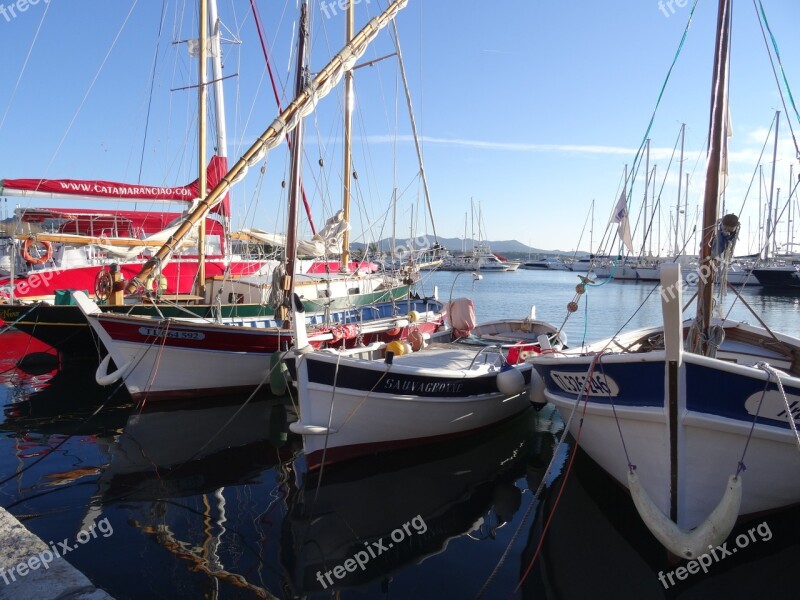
[(647, 230), (348, 140), (653, 198), (414, 129), (295, 185), (472, 223), (772, 187), (760, 210), (464, 242), (202, 99), (775, 223), (685, 209), (219, 104), (680, 181), (789, 208), (272, 135), (717, 138)]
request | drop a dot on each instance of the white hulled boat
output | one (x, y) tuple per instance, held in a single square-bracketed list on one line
[(677, 413)]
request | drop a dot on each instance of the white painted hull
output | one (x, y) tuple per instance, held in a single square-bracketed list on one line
[(163, 372), (174, 358), (713, 429), (711, 448), (372, 418), (648, 273)]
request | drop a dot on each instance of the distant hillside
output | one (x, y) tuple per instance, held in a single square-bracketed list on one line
[(458, 244), (8, 226)]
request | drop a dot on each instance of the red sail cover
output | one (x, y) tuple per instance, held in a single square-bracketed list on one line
[(110, 189)]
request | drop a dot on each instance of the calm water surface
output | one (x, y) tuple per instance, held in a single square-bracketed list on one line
[(187, 507)]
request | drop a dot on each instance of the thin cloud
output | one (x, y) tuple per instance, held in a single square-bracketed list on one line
[(746, 155), (506, 146)]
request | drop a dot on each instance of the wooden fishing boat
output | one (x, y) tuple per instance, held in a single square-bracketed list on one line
[(689, 413)]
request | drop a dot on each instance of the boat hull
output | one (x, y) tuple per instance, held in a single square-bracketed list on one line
[(351, 407), (181, 275), (785, 277), (713, 430), (172, 358), (66, 329)]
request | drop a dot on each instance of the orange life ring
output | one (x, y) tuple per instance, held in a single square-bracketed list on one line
[(41, 258)]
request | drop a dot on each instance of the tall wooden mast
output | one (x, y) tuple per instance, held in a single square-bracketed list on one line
[(295, 180), (717, 139)]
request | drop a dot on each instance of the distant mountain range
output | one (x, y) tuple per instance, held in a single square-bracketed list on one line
[(459, 244), (454, 245)]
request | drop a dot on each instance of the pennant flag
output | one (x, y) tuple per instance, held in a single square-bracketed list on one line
[(620, 216)]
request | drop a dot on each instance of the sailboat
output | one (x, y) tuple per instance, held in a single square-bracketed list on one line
[(78, 253), (698, 419), (81, 244), (356, 401), (159, 357)]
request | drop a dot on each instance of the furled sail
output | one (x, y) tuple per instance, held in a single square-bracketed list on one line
[(326, 241)]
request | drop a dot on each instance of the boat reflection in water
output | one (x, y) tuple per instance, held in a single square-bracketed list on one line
[(358, 523), (48, 397), (26, 365), (179, 449), (198, 485), (597, 547)]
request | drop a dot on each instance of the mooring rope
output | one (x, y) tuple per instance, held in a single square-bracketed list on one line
[(585, 395), (773, 371)]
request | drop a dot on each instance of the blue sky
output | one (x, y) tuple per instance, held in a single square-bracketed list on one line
[(532, 109)]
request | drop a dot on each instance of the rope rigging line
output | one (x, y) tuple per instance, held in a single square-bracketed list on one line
[(565, 432), (741, 467), (657, 204), (638, 158), (152, 86), (758, 163), (772, 371), (22, 316), (762, 21), (545, 529), (259, 29), (24, 65), (89, 90), (173, 470)]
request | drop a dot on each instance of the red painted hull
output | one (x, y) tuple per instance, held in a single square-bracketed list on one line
[(180, 274)]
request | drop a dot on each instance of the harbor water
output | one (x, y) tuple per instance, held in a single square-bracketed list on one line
[(211, 498)]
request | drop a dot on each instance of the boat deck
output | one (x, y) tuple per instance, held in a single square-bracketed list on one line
[(451, 356)]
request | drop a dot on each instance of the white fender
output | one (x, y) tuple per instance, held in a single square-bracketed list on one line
[(689, 544), (537, 389), (301, 345), (510, 381), (102, 377)]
